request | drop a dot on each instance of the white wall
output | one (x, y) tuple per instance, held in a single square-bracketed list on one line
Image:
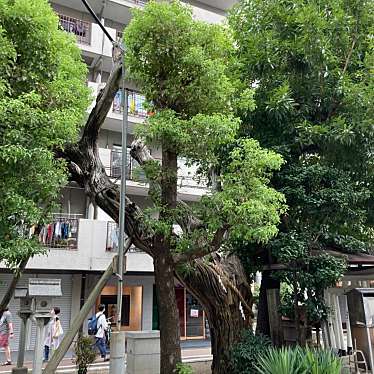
[(91, 254)]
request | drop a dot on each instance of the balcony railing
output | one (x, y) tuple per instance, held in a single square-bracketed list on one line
[(140, 2), (82, 29), (133, 170), (119, 35), (135, 103), (62, 232)]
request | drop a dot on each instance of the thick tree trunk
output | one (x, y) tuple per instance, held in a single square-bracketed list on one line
[(168, 313), (221, 287), (263, 323), (164, 269)]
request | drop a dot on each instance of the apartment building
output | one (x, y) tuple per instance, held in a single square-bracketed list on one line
[(82, 239)]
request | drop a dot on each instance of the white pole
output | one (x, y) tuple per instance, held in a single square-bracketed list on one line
[(339, 324), (117, 346), (348, 322), (330, 320)]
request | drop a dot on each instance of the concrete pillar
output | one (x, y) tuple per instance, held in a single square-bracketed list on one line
[(143, 352), (22, 339), (38, 350), (117, 352), (147, 303), (91, 210)]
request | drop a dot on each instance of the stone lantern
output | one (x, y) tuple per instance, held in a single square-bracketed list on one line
[(36, 301)]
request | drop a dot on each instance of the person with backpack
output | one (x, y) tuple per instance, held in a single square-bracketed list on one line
[(98, 326)]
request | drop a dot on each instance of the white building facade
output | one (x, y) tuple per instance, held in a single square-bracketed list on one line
[(82, 239)]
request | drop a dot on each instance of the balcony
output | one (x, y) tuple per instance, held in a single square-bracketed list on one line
[(189, 187), (135, 104), (112, 239), (81, 29), (61, 233), (90, 38), (90, 252), (133, 170), (113, 121)]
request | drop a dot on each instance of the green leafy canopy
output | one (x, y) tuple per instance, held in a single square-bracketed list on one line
[(183, 67), (311, 63), (43, 98)]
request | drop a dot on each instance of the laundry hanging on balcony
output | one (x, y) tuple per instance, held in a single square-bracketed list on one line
[(62, 232), (112, 239)]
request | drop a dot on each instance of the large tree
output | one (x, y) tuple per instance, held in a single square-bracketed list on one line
[(43, 99), (311, 63), (181, 66)]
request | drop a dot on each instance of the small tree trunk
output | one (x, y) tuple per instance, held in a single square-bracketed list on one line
[(168, 313)]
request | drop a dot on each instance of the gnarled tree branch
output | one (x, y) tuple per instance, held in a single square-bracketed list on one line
[(103, 104)]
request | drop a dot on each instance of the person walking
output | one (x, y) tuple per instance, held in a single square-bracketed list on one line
[(6, 332), (102, 327), (54, 333)]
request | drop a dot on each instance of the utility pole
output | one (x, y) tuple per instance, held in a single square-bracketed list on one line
[(117, 346)]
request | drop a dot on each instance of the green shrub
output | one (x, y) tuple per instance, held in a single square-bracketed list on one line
[(298, 361), (245, 354), (85, 353), (321, 362), (184, 369)]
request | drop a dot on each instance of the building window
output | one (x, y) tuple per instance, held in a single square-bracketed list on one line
[(82, 29)]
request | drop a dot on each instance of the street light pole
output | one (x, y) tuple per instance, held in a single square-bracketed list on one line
[(117, 346), (122, 210)]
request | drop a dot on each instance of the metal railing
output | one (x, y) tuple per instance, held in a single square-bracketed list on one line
[(61, 233), (135, 104), (80, 28), (119, 35), (133, 170), (139, 2)]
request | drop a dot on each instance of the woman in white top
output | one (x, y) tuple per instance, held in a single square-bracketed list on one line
[(53, 333)]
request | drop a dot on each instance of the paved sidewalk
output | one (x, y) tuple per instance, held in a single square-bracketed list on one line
[(67, 365)]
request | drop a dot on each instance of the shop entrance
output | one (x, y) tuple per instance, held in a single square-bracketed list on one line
[(131, 316)]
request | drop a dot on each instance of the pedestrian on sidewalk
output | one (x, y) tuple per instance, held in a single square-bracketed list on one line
[(54, 333), (6, 333), (102, 327)]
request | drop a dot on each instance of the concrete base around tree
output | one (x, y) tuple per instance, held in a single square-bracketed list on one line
[(143, 352), (22, 370)]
